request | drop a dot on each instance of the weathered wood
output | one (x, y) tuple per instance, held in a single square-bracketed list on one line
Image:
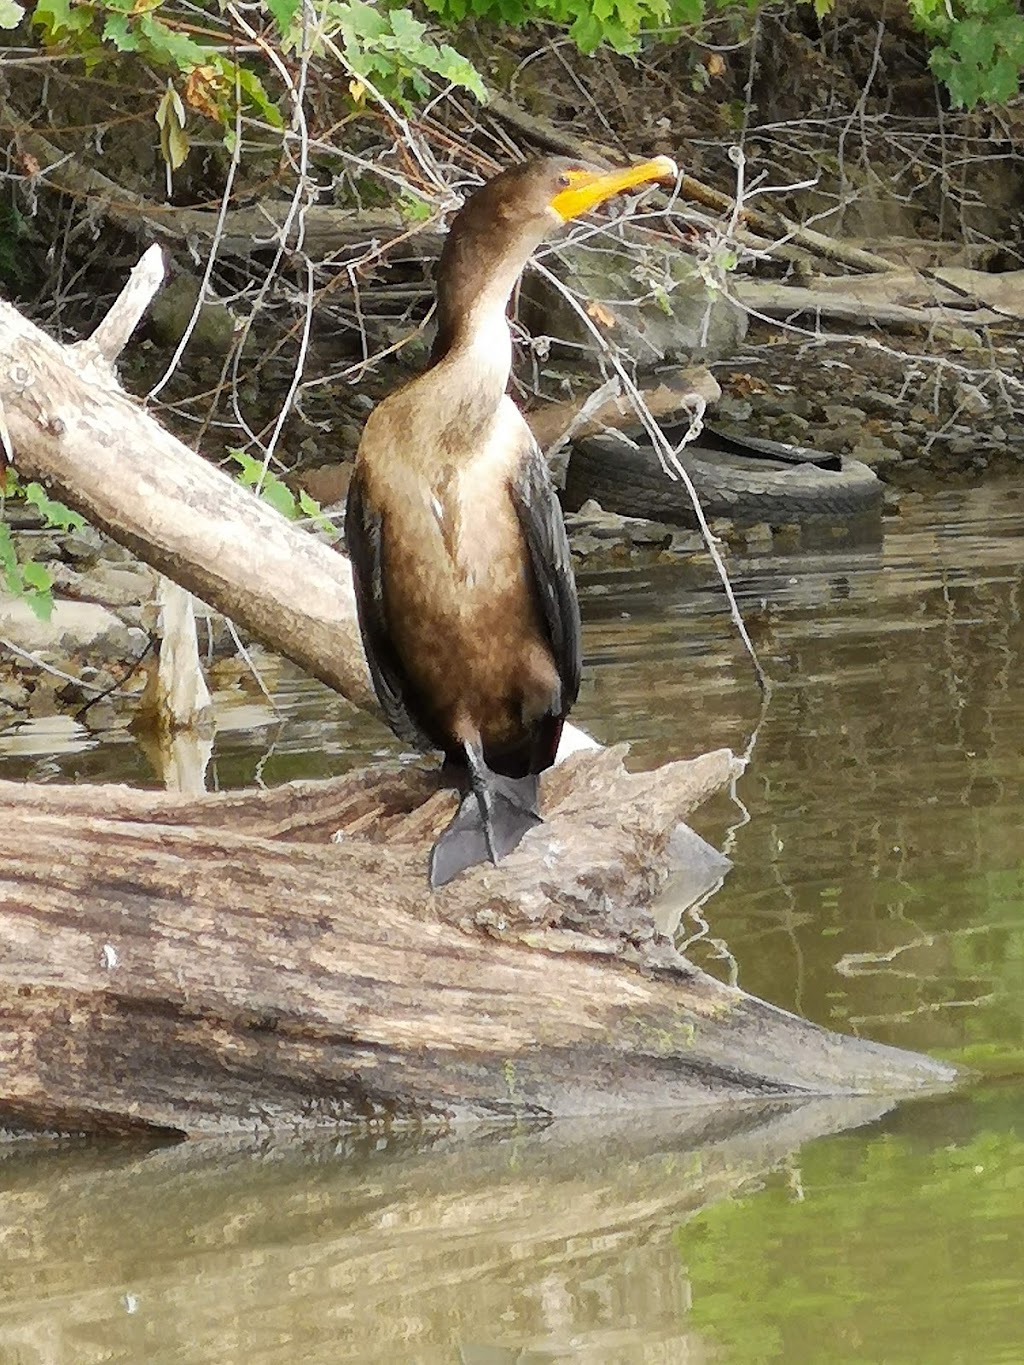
[(82, 436), (216, 964), (899, 298)]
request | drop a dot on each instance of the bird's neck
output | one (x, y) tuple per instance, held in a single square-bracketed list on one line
[(473, 347)]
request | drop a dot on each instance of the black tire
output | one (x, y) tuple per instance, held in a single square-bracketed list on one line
[(748, 481)]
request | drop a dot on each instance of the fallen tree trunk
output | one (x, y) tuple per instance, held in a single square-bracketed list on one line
[(74, 429), (213, 963), (970, 298), (221, 963)]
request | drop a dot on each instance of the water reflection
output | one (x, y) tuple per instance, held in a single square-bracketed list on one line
[(552, 1244)]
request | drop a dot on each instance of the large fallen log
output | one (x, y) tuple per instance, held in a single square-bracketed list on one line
[(210, 963), (222, 962)]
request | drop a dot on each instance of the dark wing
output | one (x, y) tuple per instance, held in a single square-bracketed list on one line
[(540, 517), (364, 535)]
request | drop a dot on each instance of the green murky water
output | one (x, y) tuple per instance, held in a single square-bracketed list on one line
[(878, 887)]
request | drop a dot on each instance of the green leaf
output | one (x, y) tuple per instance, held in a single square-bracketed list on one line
[(1002, 81), (266, 484), (11, 14), (459, 70), (973, 41), (359, 20), (312, 509), (413, 209), (58, 20), (168, 46), (284, 11), (255, 91), (278, 496), (39, 603), (118, 31), (37, 576), (250, 471), (31, 582), (53, 513)]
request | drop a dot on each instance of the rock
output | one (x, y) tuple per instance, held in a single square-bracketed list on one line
[(119, 585), (759, 536), (794, 404), (646, 297), (738, 410), (14, 694), (172, 309), (36, 545), (793, 423), (685, 542), (584, 544), (112, 553), (877, 403), (82, 544), (43, 700), (103, 715), (74, 627), (971, 400), (872, 452), (841, 415)]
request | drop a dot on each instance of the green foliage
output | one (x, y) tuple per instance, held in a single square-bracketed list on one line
[(978, 52), (619, 23), (266, 484), (26, 579), (384, 45), (979, 47), (387, 47), (31, 582)]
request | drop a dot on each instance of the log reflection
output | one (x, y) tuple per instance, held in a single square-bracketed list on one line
[(547, 1244)]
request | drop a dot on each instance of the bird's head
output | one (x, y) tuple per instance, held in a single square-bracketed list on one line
[(537, 195), (496, 230)]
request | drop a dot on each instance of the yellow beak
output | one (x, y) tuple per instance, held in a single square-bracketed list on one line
[(594, 187)]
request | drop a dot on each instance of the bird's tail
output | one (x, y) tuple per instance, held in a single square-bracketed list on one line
[(487, 826)]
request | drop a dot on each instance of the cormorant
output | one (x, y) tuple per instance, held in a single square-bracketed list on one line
[(466, 598)]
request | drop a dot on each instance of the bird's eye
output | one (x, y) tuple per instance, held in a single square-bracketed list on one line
[(564, 181)]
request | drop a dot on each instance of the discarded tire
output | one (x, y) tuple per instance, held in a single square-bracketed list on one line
[(749, 480)]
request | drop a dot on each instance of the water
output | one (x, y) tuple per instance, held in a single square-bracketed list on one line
[(878, 888)]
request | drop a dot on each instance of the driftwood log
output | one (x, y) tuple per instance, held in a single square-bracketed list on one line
[(968, 298), (223, 962), (268, 959)]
